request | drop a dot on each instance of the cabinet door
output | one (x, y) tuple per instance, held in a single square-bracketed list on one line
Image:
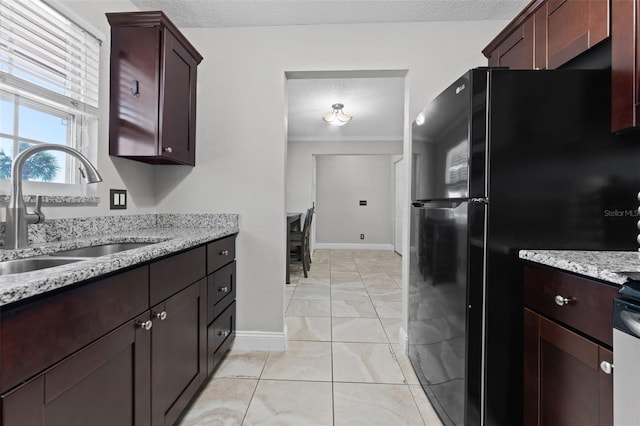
[(135, 78), (106, 383), (625, 63), (573, 26), (562, 378), (179, 345), (178, 107), (516, 51)]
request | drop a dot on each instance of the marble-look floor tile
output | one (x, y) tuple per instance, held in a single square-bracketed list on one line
[(353, 309), (349, 285), (221, 402), (388, 309), (345, 277), (374, 404), (241, 364), (309, 328), (405, 365), (385, 294), (309, 308), (312, 292), (291, 403), (314, 281), (301, 361), (358, 330), (424, 406), (355, 294), (392, 328), (365, 363)]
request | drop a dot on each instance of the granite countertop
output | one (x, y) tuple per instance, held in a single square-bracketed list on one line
[(165, 239), (608, 266)]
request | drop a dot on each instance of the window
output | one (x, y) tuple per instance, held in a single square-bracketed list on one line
[(49, 67)]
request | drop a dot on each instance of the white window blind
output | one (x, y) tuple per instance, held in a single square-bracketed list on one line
[(48, 56)]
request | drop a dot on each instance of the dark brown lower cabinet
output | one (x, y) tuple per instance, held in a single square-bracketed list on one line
[(106, 383), (178, 351), (563, 381), (129, 349)]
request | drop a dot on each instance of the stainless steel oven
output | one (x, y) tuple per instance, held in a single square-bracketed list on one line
[(626, 362)]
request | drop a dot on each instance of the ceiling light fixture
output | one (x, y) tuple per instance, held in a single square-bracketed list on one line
[(337, 117)]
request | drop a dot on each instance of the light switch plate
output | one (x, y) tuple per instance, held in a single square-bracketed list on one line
[(118, 199)]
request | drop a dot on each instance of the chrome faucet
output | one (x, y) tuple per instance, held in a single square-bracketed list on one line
[(18, 217)]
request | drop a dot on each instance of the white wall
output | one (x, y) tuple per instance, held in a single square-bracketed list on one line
[(241, 152), (344, 180), (299, 179)]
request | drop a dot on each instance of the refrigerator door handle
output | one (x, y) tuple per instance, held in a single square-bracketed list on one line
[(479, 200)]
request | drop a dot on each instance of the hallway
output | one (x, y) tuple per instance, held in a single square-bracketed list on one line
[(343, 364)]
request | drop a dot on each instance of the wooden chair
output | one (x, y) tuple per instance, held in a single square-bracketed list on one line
[(299, 244)]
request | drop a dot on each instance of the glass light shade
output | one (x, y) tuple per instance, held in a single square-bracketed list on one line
[(337, 117)]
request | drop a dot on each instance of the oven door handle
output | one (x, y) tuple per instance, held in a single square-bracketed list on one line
[(632, 321)]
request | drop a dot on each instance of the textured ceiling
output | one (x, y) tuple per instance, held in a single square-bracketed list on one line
[(376, 104), (243, 13)]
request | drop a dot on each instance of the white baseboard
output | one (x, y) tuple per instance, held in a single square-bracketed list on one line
[(351, 246), (403, 339), (260, 341)]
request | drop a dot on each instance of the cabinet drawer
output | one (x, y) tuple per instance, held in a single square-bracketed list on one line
[(220, 252), (221, 290), (221, 334), (41, 333), (590, 307), (170, 275)]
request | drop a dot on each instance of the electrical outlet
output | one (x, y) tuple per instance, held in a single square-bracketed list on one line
[(118, 199), (362, 236)]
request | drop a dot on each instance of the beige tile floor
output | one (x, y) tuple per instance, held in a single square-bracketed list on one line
[(343, 364)]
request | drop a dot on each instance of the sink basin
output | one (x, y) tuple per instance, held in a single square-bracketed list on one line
[(632, 275), (32, 264), (102, 250)]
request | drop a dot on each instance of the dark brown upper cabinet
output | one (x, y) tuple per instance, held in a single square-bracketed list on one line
[(153, 90), (625, 55), (549, 33)]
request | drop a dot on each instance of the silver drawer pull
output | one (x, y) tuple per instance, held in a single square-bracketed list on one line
[(145, 325), (224, 333), (224, 289), (562, 301), (161, 315), (224, 252), (168, 150), (606, 367)]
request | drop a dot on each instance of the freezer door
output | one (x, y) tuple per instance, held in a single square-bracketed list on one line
[(438, 306), (440, 145)]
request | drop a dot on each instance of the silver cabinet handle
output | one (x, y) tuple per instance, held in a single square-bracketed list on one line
[(224, 252), (135, 88), (168, 150), (224, 333), (223, 289), (145, 325), (161, 315), (562, 301), (606, 367)]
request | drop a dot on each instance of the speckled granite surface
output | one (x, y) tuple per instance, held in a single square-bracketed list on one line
[(603, 265), (55, 199), (167, 236)]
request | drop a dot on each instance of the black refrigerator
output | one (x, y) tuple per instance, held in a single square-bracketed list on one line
[(504, 160)]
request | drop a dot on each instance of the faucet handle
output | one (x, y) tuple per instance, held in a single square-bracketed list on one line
[(38, 210)]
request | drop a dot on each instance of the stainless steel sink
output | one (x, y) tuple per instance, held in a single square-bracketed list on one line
[(33, 264), (102, 250), (632, 275)]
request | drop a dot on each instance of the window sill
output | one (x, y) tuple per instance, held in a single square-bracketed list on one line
[(76, 200)]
